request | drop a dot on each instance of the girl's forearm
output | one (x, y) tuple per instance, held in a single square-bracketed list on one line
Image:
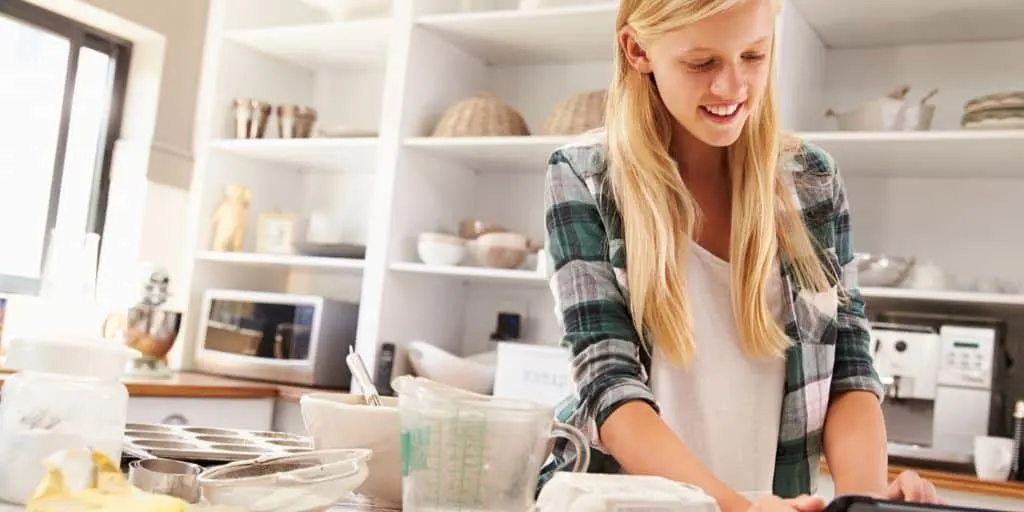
[(855, 444), (644, 445)]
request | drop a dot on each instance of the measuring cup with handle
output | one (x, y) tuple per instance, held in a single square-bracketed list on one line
[(467, 452)]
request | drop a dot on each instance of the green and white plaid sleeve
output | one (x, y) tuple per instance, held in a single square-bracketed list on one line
[(593, 312)]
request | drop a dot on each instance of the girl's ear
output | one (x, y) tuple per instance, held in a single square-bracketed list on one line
[(635, 54)]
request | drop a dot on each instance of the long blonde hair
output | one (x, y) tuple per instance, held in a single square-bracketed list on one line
[(659, 213)]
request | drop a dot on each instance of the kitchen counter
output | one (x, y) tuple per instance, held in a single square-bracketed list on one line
[(198, 385), (959, 482)]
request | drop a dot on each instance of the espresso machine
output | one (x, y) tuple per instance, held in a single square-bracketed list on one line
[(938, 388)]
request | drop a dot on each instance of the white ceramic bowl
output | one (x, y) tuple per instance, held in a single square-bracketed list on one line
[(337, 420), (440, 249), (439, 365), (305, 482)]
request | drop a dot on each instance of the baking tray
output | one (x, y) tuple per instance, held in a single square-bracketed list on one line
[(866, 504), (210, 444)]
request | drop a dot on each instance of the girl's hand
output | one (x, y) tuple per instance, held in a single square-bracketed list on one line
[(803, 503), (910, 486)]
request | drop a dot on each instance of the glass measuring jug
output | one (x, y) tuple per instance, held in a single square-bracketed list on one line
[(467, 452)]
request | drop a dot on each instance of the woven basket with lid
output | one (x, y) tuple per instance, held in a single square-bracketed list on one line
[(479, 116), (577, 114)]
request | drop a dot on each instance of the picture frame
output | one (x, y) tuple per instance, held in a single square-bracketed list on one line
[(275, 233)]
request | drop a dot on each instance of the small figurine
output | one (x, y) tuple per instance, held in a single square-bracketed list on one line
[(229, 219)]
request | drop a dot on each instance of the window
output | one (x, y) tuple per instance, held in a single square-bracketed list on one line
[(62, 90)]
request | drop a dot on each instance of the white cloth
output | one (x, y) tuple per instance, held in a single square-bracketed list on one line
[(726, 407)]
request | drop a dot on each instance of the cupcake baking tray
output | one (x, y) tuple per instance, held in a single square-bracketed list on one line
[(210, 444)]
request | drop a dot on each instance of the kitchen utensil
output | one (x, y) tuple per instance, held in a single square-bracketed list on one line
[(894, 112), (472, 228), (501, 250), (358, 368), (295, 121), (439, 365), (463, 451), (293, 483), (882, 269), (165, 476), (345, 420), (251, 118), (338, 250), (148, 326), (440, 249), (993, 458), (214, 444), (855, 503)]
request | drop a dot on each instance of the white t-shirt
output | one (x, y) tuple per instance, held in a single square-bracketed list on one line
[(726, 407)]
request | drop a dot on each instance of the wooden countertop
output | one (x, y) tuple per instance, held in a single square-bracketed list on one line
[(958, 482), (198, 385)]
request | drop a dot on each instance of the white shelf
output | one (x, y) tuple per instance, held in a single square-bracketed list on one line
[(957, 297), (842, 23), (474, 274), (531, 36), (281, 260), (935, 154), (360, 44), (528, 154), (331, 154)]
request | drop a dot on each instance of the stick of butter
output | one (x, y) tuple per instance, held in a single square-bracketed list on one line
[(87, 481)]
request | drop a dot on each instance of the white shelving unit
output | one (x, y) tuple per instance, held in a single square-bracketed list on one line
[(916, 193)]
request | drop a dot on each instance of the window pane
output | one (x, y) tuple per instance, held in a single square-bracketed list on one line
[(34, 66), (86, 133)]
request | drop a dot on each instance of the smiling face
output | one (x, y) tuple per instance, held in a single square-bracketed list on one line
[(711, 74)]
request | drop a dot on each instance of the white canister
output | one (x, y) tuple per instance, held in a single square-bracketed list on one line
[(67, 394)]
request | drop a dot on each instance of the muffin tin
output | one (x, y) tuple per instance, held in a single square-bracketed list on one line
[(210, 444)]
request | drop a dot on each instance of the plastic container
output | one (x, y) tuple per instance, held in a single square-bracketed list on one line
[(67, 395)]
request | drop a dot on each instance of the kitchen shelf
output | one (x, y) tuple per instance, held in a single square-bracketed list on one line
[(359, 44), (531, 36), (399, 75), (474, 274), (330, 154), (527, 154), (950, 296), (926, 154), (842, 23), (281, 260)]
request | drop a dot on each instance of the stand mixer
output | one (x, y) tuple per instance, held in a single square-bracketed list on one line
[(148, 327)]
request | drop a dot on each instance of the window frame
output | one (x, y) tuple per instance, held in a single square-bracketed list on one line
[(119, 50)]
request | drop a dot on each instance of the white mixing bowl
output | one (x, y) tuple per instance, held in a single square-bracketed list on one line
[(337, 420)]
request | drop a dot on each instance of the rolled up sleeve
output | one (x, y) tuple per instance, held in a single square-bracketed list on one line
[(592, 310), (854, 369)]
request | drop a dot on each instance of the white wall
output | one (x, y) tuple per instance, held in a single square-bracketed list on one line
[(183, 23)]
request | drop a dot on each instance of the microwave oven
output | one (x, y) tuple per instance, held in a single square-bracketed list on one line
[(279, 337)]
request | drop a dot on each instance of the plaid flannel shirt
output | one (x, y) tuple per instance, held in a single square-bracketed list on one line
[(830, 338)]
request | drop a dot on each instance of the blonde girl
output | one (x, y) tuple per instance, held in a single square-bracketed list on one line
[(701, 275)]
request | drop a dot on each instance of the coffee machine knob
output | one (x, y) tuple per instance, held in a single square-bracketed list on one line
[(900, 346)]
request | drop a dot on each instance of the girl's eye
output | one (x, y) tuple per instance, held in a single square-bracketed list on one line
[(701, 66), (754, 57)]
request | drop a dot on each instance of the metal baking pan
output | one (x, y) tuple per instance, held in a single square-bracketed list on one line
[(866, 504), (210, 444)]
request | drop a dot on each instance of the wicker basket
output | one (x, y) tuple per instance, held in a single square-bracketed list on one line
[(577, 114), (480, 116)]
